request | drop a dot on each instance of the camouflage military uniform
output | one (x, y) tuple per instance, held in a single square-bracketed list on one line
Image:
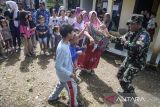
[(137, 46)]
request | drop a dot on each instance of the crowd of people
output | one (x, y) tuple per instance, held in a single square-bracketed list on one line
[(53, 30), (75, 38)]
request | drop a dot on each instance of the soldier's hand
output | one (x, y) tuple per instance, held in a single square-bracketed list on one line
[(126, 43)]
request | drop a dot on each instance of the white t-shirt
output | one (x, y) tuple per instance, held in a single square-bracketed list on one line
[(71, 21), (62, 20), (151, 24), (53, 21)]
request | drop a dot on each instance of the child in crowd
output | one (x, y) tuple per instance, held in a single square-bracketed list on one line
[(74, 48), (64, 68), (63, 19), (42, 31), (6, 35), (68, 13), (32, 26), (2, 43), (58, 37), (71, 17), (25, 31), (53, 21)]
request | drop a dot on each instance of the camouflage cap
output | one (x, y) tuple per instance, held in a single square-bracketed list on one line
[(136, 18)]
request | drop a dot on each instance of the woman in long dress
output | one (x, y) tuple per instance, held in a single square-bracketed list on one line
[(90, 59)]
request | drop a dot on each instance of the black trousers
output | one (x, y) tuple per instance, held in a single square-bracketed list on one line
[(16, 36)]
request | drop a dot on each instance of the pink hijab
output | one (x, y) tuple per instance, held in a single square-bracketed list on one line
[(96, 23)]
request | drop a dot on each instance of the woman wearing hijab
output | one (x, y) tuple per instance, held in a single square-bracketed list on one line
[(85, 16), (90, 59), (107, 21), (63, 19), (14, 23), (80, 25)]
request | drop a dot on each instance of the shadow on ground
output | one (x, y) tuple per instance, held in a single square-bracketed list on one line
[(148, 80), (43, 61), (12, 59), (58, 104), (24, 66), (111, 58), (97, 87)]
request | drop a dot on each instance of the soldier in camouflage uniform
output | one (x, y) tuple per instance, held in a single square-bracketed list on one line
[(137, 42)]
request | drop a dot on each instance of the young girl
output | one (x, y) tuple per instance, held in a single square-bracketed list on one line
[(53, 21), (71, 17), (2, 53), (32, 26), (42, 31), (6, 35), (25, 31)]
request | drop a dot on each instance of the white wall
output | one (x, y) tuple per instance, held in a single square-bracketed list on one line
[(127, 11), (156, 41)]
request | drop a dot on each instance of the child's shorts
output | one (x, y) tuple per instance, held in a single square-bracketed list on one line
[(42, 40)]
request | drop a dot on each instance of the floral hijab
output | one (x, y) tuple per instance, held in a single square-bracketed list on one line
[(96, 22)]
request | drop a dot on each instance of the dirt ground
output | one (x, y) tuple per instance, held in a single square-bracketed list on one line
[(27, 82)]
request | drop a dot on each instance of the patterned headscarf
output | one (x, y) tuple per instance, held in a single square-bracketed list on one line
[(96, 22)]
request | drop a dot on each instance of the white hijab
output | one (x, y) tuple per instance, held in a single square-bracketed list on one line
[(14, 7)]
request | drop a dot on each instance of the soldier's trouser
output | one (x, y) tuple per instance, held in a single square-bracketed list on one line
[(71, 87), (125, 77)]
